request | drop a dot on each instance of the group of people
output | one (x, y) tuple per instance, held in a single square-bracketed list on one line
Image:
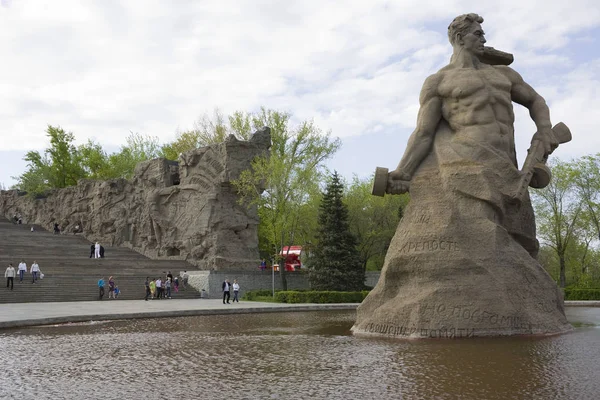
[(57, 229), (113, 289), (227, 288), (157, 288), (96, 251), (10, 274)]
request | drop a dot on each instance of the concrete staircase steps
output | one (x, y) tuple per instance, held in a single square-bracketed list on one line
[(69, 273)]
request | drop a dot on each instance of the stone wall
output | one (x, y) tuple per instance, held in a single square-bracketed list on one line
[(211, 281), (186, 210)]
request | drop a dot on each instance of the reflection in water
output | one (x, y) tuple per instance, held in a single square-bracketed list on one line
[(289, 356)]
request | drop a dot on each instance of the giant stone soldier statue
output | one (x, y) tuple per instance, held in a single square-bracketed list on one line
[(463, 260)]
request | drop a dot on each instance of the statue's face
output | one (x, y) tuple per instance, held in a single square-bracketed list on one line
[(474, 40)]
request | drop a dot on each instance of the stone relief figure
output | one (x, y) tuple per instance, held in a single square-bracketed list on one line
[(185, 210), (467, 240), (159, 217)]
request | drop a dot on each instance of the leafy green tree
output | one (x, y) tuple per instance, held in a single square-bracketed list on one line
[(138, 148), (209, 130), (586, 178), (241, 123), (582, 264), (64, 160), (143, 147), (35, 179), (59, 167), (335, 262), (94, 160), (281, 183), (304, 230), (585, 234), (548, 259), (184, 141), (373, 220), (557, 210)]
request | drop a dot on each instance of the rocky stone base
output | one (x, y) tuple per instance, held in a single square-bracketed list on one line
[(435, 288)]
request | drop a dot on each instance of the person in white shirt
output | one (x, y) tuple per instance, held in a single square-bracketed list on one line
[(35, 271), (185, 277), (22, 269), (236, 290), (159, 289), (9, 274), (97, 250)]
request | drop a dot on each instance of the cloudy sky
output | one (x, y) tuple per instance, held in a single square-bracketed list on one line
[(101, 69)]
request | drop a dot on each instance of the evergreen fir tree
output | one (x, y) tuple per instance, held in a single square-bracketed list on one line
[(334, 263)]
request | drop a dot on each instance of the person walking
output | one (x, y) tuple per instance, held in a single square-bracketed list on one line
[(236, 290), (176, 284), (9, 274), (152, 288), (22, 269), (159, 289), (147, 287), (35, 271), (97, 250), (168, 288), (185, 277), (101, 288), (111, 287), (226, 288)]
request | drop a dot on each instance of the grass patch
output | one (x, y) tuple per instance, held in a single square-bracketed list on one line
[(582, 294), (582, 324)]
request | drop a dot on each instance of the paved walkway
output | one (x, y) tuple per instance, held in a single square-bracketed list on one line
[(582, 303), (28, 314)]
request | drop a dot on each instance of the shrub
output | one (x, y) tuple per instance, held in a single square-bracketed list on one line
[(582, 294), (254, 294), (321, 297)]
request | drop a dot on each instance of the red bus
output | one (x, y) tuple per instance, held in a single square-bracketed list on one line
[(292, 256)]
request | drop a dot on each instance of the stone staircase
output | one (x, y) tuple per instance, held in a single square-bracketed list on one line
[(69, 273)]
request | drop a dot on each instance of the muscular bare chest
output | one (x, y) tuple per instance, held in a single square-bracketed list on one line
[(486, 84)]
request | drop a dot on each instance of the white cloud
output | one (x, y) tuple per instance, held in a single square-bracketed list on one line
[(103, 68)]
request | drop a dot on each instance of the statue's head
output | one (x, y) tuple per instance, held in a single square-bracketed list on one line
[(465, 32)]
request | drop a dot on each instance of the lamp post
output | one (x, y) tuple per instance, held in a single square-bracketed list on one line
[(273, 276)]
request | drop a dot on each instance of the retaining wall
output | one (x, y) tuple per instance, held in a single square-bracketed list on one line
[(211, 281)]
